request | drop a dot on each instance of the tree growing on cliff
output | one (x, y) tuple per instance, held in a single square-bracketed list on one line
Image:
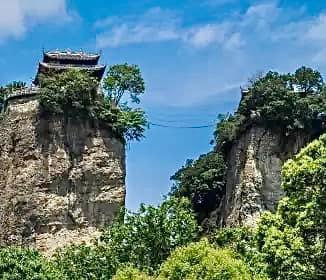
[(288, 102), (201, 181), (75, 94), (122, 79), (308, 80)]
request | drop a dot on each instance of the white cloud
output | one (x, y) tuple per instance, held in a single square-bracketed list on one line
[(234, 42), (317, 30), (153, 26), (158, 25), (205, 35), (17, 16), (262, 37)]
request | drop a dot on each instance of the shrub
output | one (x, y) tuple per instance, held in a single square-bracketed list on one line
[(86, 262), (130, 273), (243, 241), (18, 263), (203, 261), (71, 92)]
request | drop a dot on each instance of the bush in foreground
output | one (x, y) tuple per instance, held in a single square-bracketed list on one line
[(130, 273), (18, 263), (203, 261)]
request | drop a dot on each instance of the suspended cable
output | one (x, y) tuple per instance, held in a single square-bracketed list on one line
[(185, 127)]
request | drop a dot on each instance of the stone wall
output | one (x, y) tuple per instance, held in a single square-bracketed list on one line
[(61, 179)]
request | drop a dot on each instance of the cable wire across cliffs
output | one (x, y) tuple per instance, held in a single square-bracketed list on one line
[(184, 127)]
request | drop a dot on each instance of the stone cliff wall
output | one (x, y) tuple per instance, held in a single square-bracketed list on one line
[(60, 179), (254, 174)]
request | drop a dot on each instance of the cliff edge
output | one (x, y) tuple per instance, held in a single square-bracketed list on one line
[(61, 179), (254, 164)]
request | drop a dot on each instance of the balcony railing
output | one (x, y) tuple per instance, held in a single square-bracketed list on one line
[(17, 93)]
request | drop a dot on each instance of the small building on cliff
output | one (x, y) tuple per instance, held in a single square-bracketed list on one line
[(61, 180)]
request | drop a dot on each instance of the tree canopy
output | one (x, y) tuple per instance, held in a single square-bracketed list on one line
[(201, 181), (287, 102), (204, 261), (122, 79), (76, 93)]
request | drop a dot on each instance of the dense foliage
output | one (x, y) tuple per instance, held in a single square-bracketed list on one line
[(123, 79), (201, 181), (130, 273), (143, 239), (18, 263), (205, 262), (76, 93), (146, 238), (288, 102)]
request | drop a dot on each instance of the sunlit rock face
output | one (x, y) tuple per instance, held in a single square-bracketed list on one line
[(61, 179), (254, 174)]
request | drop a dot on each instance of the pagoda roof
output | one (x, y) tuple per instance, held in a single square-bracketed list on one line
[(95, 70), (44, 65), (70, 55)]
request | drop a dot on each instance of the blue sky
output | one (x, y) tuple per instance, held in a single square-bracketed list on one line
[(194, 56)]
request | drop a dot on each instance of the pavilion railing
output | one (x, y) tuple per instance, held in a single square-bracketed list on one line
[(21, 93)]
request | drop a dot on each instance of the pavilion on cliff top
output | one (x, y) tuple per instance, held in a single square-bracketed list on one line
[(58, 61)]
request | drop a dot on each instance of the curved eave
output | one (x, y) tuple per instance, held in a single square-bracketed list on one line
[(50, 56), (44, 68)]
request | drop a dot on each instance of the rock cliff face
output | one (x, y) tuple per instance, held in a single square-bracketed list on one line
[(254, 174), (60, 179)]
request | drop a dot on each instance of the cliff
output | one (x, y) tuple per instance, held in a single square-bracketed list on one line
[(61, 179), (254, 173)]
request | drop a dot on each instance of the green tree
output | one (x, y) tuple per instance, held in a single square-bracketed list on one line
[(201, 181), (122, 79), (79, 262), (308, 80), (71, 92), (142, 240), (273, 101), (204, 261), (130, 273), (19, 263), (76, 94), (293, 241), (147, 237)]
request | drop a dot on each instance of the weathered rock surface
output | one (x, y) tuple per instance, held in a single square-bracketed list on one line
[(254, 174), (61, 180)]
